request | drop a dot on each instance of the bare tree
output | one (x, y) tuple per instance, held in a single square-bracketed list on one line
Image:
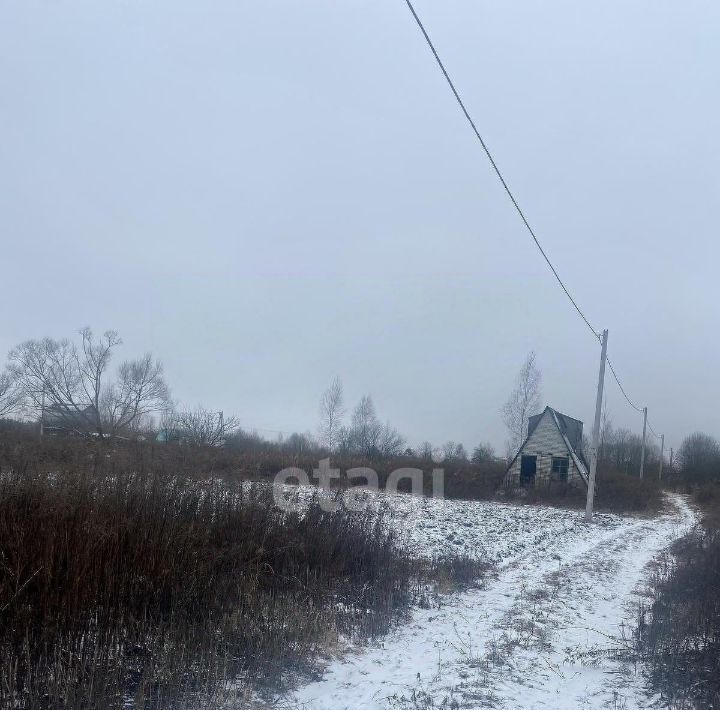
[(169, 429), (365, 428), (460, 453), (699, 458), (425, 451), (524, 401), (298, 443), (448, 450), (332, 412), (10, 396), (390, 442), (452, 451), (71, 383), (204, 428), (48, 378), (140, 389), (482, 453), (621, 449)]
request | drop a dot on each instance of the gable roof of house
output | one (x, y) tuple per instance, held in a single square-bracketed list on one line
[(568, 425), (563, 424)]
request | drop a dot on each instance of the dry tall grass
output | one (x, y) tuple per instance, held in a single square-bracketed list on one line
[(155, 577), (679, 633), (119, 585), (615, 492)]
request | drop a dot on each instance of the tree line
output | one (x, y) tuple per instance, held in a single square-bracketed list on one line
[(70, 386), (367, 436)]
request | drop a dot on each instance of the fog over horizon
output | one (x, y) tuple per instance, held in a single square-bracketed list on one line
[(269, 195)]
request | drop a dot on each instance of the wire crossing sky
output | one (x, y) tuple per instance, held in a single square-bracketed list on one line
[(513, 200), (497, 170)]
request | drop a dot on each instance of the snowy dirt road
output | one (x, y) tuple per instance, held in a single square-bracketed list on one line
[(539, 634)]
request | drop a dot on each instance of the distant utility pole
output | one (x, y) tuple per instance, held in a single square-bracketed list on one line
[(671, 458), (662, 450), (642, 452), (596, 430), (42, 413)]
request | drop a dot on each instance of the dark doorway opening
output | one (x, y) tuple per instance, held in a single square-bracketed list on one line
[(528, 468)]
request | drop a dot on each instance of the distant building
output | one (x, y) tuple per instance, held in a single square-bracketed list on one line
[(59, 419), (551, 452), (165, 436)]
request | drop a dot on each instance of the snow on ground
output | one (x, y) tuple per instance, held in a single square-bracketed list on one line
[(538, 635)]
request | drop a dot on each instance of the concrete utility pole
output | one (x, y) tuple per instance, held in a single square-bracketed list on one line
[(642, 452), (596, 430), (662, 450)]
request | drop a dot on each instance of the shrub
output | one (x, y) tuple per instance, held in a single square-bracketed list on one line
[(619, 492), (615, 491), (679, 633)]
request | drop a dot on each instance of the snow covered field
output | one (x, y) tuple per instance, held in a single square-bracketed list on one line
[(539, 632)]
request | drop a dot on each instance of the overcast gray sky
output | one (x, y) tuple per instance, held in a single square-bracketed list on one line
[(269, 194)]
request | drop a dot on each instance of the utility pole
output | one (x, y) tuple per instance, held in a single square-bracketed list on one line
[(671, 458), (642, 452), (662, 449), (596, 430)]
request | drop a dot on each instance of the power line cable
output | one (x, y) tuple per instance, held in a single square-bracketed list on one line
[(622, 389), (653, 430), (512, 196), (629, 401), (496, 169)]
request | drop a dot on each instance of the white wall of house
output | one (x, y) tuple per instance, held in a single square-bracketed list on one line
[(546, 442)]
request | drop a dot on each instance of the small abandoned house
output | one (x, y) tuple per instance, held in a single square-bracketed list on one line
[(551, 452)]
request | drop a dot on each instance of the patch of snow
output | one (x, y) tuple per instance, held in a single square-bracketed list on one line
[(541, 633)]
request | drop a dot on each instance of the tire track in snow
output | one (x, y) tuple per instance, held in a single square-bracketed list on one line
[(516, 643), (556, 646)]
